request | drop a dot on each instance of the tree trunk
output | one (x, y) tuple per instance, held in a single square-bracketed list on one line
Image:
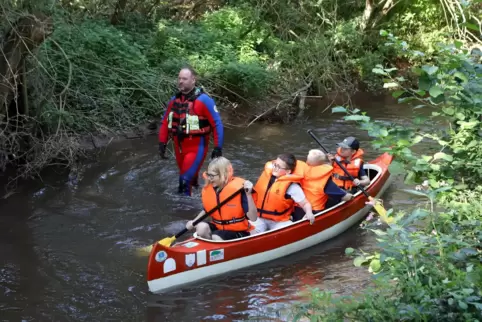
[(367, 14), (118, 12), (26, 35)]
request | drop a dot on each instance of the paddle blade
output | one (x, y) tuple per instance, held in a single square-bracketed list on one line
[(144, 251), (166, 242), (377, 204)]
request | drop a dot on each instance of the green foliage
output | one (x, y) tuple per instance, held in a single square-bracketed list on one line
[(452, 86), (427, 267), (221, 47), (105, 77), (112, 64)]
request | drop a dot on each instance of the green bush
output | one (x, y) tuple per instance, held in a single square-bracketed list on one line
[(427, 267), (104, 74)]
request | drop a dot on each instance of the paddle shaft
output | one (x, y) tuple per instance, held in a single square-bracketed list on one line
[(210, 212), (338, 162)]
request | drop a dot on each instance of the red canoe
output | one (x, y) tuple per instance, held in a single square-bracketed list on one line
[(196, 258)]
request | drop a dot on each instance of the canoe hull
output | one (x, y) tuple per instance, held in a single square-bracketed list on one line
[(196, 259)]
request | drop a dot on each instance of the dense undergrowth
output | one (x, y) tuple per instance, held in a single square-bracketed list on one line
[(428, 264), (111, 65)]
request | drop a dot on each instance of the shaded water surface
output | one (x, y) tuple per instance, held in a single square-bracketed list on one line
[(66, 245)]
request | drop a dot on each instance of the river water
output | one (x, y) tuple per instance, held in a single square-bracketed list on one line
[(66, 246)]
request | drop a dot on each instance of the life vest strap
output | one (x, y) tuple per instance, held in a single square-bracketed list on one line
[(228, 222), (274, 213), (344, 178)]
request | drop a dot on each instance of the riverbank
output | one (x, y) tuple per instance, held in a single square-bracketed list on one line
[(104, 68), (427, 264)]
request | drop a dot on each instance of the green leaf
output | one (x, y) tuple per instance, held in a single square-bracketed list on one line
[(444, 156), (472, 144), (448, 110), (379, 232), (430, 69), (362, 118), (349, 251), (461, 76), (338, 109), (463, 305), (417, 139), (375, 265), (419, 106), (359, 261), (471, 26), (426, 158), (435, 91), (396, 168), (378, 71), (383, 33), (460, 116), (421, 93), (390, 85), (397, 94), (405, 99), (383, 132), (424, 83)]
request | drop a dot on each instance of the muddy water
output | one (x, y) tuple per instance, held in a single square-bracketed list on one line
[(66, 245)]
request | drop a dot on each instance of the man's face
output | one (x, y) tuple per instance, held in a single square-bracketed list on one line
[(185, 81), (346, 152)]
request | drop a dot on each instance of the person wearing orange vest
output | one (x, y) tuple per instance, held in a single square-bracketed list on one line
[(350, 156), (318, 185), (231, 220), (278, 189)]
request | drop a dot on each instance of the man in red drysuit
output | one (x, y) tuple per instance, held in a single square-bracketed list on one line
[(190, 117)]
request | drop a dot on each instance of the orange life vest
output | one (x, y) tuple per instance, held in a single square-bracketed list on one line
[(314, 183), (353, 166), (272, 202), (182, 119), (231, 216)]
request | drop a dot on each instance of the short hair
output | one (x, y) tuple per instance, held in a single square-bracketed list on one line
[(289, 159), (316, 157), (190, 69)]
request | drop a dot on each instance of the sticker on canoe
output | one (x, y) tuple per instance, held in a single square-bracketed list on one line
[(161, 256), (216, 255), (201, 257), (169, 265), (190, 244), (190, 260)]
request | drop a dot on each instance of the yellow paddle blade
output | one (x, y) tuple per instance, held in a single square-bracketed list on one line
[(144, 251), (377, 204), (166, 242)]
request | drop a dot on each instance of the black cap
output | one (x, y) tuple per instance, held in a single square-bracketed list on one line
[(349, 143)]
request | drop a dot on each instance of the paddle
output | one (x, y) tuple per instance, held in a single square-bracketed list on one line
[(169, 240), (376, 203)]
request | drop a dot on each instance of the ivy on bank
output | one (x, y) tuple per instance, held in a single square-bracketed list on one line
[(428, 266)]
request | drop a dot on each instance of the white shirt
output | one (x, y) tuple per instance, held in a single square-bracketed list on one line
[(296, 193)]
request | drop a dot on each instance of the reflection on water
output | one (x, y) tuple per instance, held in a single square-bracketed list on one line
[(67, 245)]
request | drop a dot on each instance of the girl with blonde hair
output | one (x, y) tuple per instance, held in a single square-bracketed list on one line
[(231, 220)]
